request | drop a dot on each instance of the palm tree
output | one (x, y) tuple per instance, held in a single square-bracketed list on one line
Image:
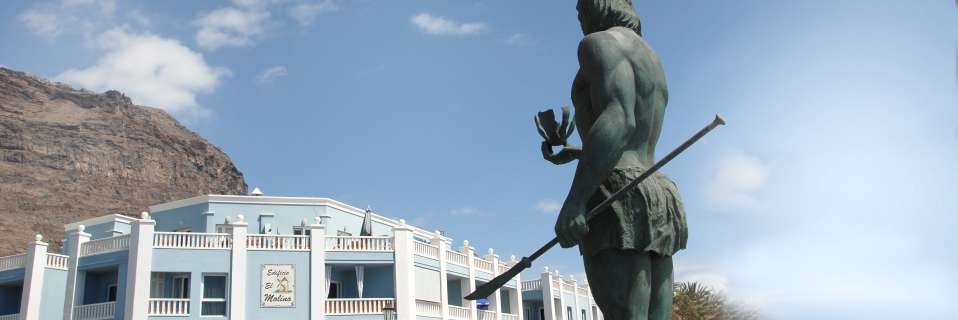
[(694, 301)]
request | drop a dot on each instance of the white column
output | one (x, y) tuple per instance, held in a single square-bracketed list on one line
[(238, 269), (317, 270), (562, 303), (516, 298), (139, 267), (443, 246), (470, 286), (77, 238), (575, 303), (494, 304), (36, 261), (405, 271), (548, 302)]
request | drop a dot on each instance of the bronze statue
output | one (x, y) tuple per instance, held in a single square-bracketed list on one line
[(619, 95)]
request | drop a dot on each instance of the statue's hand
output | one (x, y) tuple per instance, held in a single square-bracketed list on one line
[(566, 155), (571, 226)]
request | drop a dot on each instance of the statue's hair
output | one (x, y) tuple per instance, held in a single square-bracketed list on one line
[(605, 14)]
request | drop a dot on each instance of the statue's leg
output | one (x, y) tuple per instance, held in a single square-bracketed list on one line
[(620, 282), (660, 306)]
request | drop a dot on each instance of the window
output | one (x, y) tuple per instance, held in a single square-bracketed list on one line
[(333, 290), (222, 228), (542, 314), (111, 292), (570, 314), (214, 295), (157, 285), (584, 315), (300, 231), (181, 287)]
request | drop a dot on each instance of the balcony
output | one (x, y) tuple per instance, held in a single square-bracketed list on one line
[(96, 311), (106, 245), (192, 240), (12, 262), (459, 313), (15, 316), (428, 309), (277, 242), (486, 315), (357, 306), (380, 244), (169, 307)]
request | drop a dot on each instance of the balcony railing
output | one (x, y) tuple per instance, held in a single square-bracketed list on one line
[(459, 313), (105, 245), (457, 258), (169, 307), (57, 261), (483, 265), (384, 244), (486, 315), (191, 240), (277, 242), (532, 285), (15, 316), (509, 316), (428, 308), (12, 262), (427, 250), (357, 306), (97, 311)]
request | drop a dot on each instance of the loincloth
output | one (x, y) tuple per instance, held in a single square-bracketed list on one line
[(650, 217)]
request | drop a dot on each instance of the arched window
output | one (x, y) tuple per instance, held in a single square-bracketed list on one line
[(585, 316), (571, 315)]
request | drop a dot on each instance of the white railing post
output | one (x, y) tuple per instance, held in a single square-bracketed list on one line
[(443, 246), (317, 270), (495, 305), (238, 231), (77, 238), (139, 265), (470, 286), (562, 302), (548, 302), (36, 261), (515, 299), (404, 268)]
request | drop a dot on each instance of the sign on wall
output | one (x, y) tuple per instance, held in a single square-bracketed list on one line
[(278, 286)]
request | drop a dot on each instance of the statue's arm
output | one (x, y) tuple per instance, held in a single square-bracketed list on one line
[(613, 97)]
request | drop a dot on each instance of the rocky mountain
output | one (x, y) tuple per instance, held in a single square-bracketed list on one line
[(68, 155)]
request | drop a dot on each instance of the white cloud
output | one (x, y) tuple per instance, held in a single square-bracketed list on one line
[(548, 206), (441, 26), (231, 26), (271, 74), (739, 177), (152, 70), (51, 19), (519, 39), (305, 13), (708, 277), (464, 211)]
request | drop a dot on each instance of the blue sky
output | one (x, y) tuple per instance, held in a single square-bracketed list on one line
[(830, 195)]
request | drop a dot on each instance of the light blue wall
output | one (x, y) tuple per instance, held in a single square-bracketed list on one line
[(300, 262), (535, 295), (356, 317), (53, 293), (188, 260), (189, 216), (285, 216), (348, 257), (107, 229)]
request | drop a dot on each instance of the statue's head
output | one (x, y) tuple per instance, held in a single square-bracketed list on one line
[(600, 15)]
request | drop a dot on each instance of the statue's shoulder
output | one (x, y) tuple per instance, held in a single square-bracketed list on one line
[(608, 48)]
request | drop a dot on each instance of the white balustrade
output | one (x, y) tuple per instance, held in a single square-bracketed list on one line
[(459, 313), (508, 316), (428, 308), (555, 284), (357, 306), (277, 242), (57, 261), (12, 262), (96, 311), (15, 316), (583, 291), (532, 285), (483, 265), (384, 244), (192, 240), (169, 307), (427, 250), (105, 245), (486, 315), (457, 258)]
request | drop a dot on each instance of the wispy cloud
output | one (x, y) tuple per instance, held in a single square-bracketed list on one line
[(464, 211), (271, 74), (234, 26), (441, 26), (307, 12), (519, 39), (548, 206), (51, 19), (737, 181), (130, 64)]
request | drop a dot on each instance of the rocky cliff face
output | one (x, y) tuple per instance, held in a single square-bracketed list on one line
[(68, 155)]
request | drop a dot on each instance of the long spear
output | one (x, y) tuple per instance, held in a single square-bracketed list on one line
[(490, 287)]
